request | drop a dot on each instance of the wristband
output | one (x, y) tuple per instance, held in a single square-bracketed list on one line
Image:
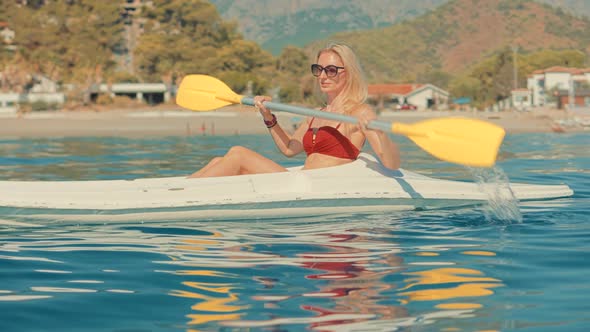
[(271, 123)]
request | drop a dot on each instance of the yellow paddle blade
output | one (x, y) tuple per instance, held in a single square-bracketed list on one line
[(463, 141), (205, 93)]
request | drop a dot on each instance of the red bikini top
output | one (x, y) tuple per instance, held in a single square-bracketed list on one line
[(329, 141)]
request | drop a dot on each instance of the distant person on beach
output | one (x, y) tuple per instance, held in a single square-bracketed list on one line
[(326, 142)]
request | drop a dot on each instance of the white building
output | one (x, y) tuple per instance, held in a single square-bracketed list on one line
[(151, 93), (9, 102), (521, 99), (44, 90), (428, 96), (6, 34), (536, 84), (423, 96), (550, 80)]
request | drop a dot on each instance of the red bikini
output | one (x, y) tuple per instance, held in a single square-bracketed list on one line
[(329, 141)]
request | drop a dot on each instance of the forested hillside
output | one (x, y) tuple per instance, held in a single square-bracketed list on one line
[(79, 42), (461, 33), (277, 23), (465, 37), (68, 43), (466, 46)]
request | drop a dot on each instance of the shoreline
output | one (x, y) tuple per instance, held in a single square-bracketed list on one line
[(242, 120)]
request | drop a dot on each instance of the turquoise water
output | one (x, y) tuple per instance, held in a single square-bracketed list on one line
[(496, 268)]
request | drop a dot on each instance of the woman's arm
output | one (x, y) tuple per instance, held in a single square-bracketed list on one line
[(385, 149), (288, 145)]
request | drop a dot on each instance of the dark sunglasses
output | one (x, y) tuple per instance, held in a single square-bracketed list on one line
[(331, 70)]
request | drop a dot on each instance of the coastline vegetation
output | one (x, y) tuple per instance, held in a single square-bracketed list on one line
[(84, 42)]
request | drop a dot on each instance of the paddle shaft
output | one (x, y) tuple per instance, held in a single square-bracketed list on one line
[(379, 125), (458, 140)]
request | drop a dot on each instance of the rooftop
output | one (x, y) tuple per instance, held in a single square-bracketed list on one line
[(395, 89)]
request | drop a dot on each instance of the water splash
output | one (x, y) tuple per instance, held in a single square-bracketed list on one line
[(501, 203)]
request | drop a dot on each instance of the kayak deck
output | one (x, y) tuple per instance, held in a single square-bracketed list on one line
[(363, 185)]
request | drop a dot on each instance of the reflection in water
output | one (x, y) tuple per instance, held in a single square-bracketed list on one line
[(354, 281), (351, 269), (458, 281), (326, 276), (216, 301), (217, 297)]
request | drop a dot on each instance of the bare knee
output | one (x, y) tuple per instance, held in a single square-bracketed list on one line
[(238, 151)]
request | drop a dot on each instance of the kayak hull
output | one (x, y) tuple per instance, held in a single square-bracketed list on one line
[(359, 187)]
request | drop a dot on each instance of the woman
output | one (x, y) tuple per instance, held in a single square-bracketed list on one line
[(326, 142)]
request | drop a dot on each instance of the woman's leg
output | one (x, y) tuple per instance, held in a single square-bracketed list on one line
[(239, 160), (211, 163)]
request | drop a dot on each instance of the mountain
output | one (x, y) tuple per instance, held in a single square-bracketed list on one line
[(574, 7), (462, 33), (275, 24)]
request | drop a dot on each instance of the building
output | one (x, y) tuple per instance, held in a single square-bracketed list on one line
[(150, 93), (521, 99), (9, 103), (44, 91), (7, 36), (548, 85), (567, 100), (6, 33), (423, 96), (133, 29)]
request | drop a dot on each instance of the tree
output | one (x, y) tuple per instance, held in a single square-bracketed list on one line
[(465, 87), (503, 81), (181, 37), (290, 66), (69, 40), (292, 60), (436, 77)]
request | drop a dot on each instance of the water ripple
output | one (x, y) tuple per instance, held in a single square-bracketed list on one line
[(415, 270)]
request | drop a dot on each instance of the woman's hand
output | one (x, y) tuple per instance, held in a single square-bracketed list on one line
[(258, 103), (382, 145)]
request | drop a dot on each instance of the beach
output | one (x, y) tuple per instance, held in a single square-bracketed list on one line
[(242, 120)]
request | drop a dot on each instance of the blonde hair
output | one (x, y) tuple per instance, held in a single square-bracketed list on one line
[(355, 90)]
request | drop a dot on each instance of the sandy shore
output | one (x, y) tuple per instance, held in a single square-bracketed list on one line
[(236, 120)]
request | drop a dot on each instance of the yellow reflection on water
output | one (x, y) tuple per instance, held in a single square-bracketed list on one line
[(445, 275), (217, 307), (349, 278), (207, 273), (216, 299), (466, 290), (470, 282), (458, 306), (479, 253)]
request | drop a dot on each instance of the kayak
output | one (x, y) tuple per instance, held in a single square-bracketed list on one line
[(358, 187)]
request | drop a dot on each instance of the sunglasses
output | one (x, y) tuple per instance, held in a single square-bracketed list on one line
[(331, 70)]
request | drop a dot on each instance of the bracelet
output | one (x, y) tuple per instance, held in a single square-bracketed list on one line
[(271, 123)]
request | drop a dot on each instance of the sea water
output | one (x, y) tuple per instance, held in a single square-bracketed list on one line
[(492, 268)]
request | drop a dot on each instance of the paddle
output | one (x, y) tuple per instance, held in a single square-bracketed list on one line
[(462, 141)]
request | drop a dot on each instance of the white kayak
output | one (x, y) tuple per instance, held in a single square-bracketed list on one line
[(361, 186)]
